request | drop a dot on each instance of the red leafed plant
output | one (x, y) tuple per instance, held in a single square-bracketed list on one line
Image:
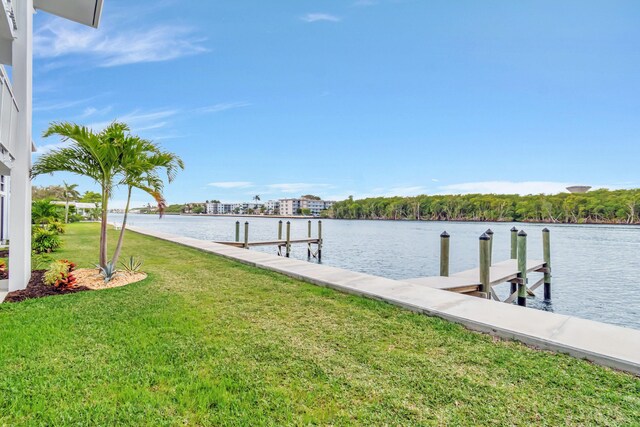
[(3, 270), (59, 275)]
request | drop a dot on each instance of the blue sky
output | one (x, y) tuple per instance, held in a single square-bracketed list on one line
[(356, 97)]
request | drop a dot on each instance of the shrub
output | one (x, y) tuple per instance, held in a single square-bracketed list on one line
[(45, 240), (75, 217), (41, 261), (4, 273), (132, 265), (59, 275), (108, 272)]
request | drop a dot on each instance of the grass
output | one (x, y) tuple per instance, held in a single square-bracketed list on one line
[(207, 341)]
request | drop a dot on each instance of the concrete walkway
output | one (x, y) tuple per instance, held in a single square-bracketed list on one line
[(601, 343)]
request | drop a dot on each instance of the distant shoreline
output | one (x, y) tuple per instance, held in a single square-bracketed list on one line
[(394, 220)]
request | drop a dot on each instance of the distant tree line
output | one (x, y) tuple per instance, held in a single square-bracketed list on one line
[(598, 206)]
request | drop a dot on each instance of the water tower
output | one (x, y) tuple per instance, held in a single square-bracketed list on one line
[(579, 188)]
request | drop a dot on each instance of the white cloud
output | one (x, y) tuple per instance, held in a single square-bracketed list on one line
[(230, 184), (296, 187), (318, 17), (54, 106), (223, 107), (139, 121), (42, 149), (505, 187), (93, 111), (116, 47)]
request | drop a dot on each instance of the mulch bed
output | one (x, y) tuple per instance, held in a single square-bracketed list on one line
[(37, 289), (4, 253)]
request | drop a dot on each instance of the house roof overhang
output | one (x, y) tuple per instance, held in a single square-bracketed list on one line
[(85, 12)]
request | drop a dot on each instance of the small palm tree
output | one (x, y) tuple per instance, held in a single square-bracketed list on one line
[(256, 198), (142, 161), (69, 192)]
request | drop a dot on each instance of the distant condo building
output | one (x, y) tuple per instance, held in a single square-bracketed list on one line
[(270, 207), (298, 206)]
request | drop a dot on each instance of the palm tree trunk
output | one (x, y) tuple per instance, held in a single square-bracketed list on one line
[(116, 254), (66, 211), (103, 228)]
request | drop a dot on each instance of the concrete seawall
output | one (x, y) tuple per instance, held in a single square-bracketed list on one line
[(601, 343)]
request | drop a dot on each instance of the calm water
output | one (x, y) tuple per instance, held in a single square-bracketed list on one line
[(596, 268)]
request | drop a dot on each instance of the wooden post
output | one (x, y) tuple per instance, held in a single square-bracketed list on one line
[(444, 254), (246, 235), (514, 254), (309, 236), (489, 233), (319, 240), (288, 248), (237, 231), (485, 265), (280, 230), (514, 243), (522, 268), (546, 250)]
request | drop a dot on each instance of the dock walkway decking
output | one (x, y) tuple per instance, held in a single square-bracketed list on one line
[(469, 280), (602, 343)]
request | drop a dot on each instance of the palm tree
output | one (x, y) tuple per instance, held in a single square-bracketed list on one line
[(95, 155), (68, 192), (256, 198), (44, 212), (142, 160)]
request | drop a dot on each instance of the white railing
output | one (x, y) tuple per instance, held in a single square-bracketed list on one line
[(8, 7), (8, 114)]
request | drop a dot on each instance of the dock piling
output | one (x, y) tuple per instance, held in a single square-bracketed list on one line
[(309, 236), (514, 254), (237, 231), (444, 254), (485, 264), (288, 244), (489, 233), (280, 230), (246, 235), (546, 250), (522, 268), (319, 240)]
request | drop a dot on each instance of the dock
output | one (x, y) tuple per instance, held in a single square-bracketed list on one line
[(269, 243), (283, 245), (468, 281)]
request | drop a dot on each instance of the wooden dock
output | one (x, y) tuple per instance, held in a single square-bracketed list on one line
[(269, 243), (480, 281), (468, 281), (281, 243)]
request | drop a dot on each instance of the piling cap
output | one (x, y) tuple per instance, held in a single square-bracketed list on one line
[(489, 232), (514, 229), (545, 230), (246, 222), (444, 234), (522, 233), (288, 222), (485, 237)]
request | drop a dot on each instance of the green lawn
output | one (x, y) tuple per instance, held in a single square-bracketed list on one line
[(207, 341)]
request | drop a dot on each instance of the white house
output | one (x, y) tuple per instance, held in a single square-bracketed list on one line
[(16, 146)]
